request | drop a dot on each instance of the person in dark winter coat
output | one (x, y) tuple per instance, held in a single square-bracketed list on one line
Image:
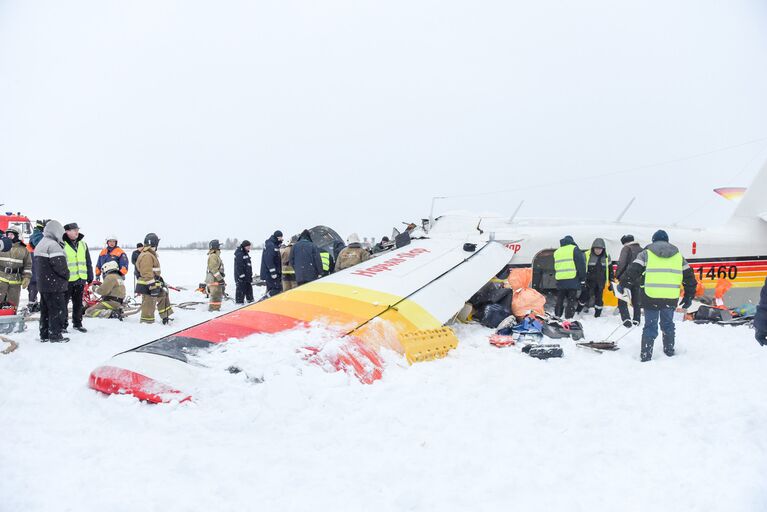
[(52, 282), (664, 270), (133, 259), (271, 264), (305, 259), (80, 272), (570, 274), (760, 321), (629, 253), (243, 274), (599, 272), (34, 239)]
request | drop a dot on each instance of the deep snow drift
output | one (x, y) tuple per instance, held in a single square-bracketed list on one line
[(484, 429)]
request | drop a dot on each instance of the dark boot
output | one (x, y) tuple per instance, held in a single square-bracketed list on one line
[(628, 324), (668, 345), (647, 346), (597, 312), (58, 339)]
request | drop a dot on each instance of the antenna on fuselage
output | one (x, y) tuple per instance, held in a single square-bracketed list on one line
[(623, 213), (514, 215)]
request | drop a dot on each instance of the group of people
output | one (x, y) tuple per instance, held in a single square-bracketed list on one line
[(56, 264), (653, 276), (283, 266)]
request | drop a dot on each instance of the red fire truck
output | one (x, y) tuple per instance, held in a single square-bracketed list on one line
[(18, 221)]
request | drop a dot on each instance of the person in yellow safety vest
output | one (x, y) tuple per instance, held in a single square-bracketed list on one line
[(80, 272), (288, 273), (214, 277), (150, 285), (15, 268), (112, 291), (570, 273), (665, 271), (599, 272), (327, 262)]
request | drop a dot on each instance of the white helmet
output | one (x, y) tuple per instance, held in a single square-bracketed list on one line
[(110, 266), (111, 237), (354, 238)]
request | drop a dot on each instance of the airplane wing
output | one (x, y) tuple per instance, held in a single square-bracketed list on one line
[(416, 288)]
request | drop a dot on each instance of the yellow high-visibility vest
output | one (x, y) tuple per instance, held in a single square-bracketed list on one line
[(564, 263), (663, 276), (78, 266)]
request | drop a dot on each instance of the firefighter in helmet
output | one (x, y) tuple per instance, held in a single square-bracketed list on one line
[(214, 277), (150, 285), (15, 268), (112, 291), (112, 252)]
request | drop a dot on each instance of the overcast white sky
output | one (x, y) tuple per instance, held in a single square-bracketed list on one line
[(232, 118)]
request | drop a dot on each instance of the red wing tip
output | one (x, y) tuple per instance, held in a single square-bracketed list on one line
[(112, 380)]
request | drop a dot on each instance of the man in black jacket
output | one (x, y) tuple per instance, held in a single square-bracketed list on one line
[(305, 259), (664, 270), (271, 264), (80, 272), (599, 272), (243, 273), (629, 253), (52, 282), (760, 321)]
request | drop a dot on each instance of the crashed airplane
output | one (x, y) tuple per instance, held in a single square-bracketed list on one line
[(400, 300)]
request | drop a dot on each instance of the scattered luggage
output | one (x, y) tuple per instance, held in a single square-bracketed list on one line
[(558, 330), (529, 330), (543, 351), (708, 314), (493, 315), (745, 310), (520, 278), (527, 301), (502, 340)]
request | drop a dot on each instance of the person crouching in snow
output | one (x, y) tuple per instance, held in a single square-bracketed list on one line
[(214, 277), (112, 291), (599, 272)]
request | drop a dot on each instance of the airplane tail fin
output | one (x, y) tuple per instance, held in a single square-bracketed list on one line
[(754, 201)]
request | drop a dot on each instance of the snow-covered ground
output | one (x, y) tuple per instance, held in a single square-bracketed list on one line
[(483, 429)]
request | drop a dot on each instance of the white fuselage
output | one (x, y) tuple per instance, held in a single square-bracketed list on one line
[(736, 251)]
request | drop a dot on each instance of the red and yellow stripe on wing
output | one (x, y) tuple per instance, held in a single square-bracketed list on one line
[(347, 308)]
